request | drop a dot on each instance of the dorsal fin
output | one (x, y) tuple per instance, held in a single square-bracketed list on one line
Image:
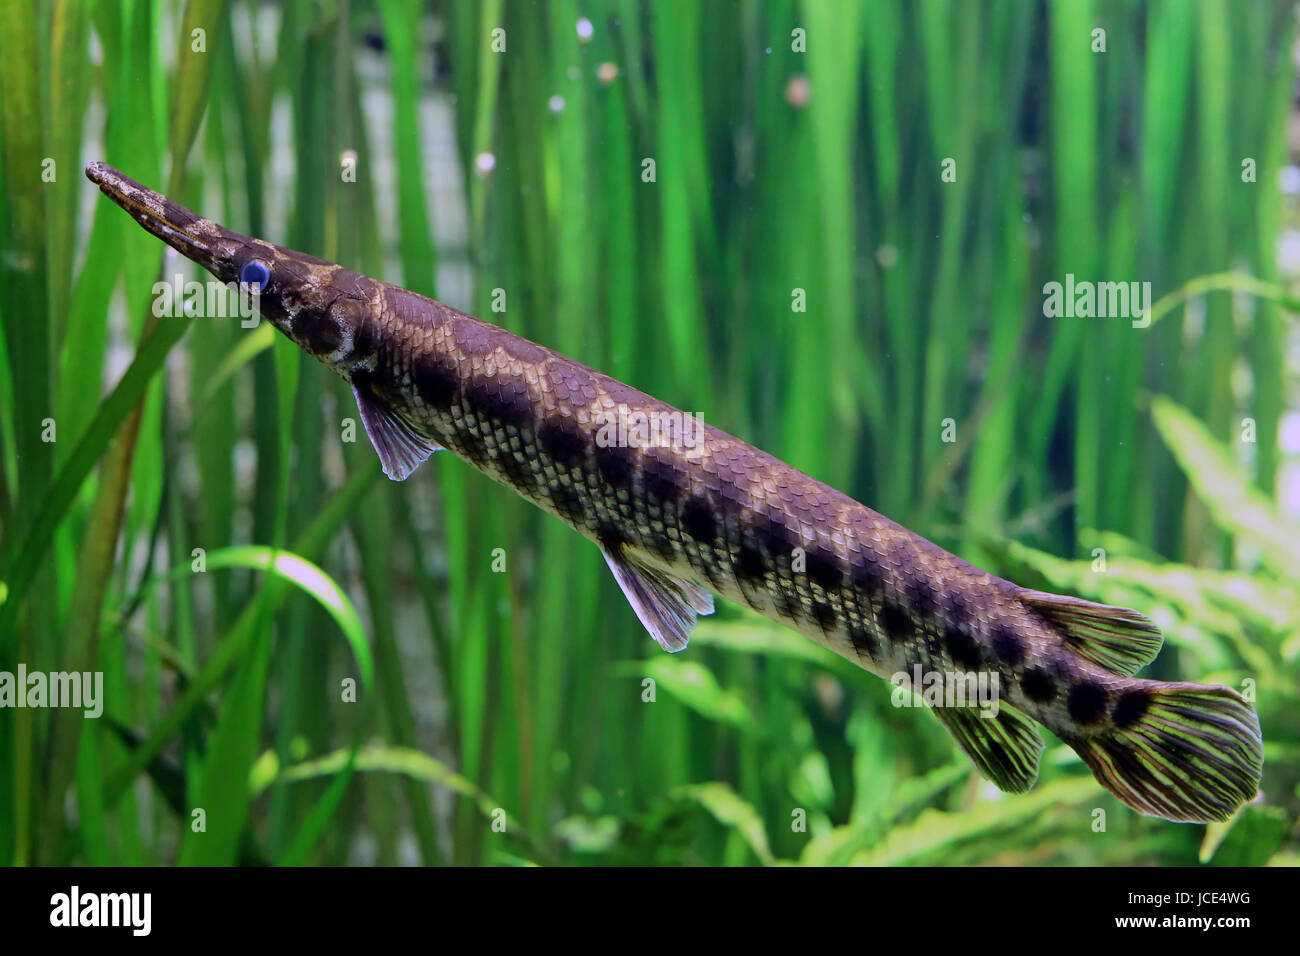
[(1116, 638)]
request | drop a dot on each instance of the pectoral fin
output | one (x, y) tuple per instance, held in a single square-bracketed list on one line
[(666, 605), (400, 449)]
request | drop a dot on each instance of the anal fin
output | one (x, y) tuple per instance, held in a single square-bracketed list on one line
[(1005, 748), (400, 449), (666, 605)]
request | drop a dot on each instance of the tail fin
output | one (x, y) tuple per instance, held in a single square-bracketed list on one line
[(1185, 752)]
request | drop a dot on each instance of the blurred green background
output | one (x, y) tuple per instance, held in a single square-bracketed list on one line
[(150, 467)]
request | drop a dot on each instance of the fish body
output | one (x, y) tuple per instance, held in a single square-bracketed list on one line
[(682, 510)]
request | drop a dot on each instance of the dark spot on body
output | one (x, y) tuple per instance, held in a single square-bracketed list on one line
[(318, 331), (825, 616), (365, 338), (922, 595), (617, 464), (664, 481), (516, 469), (610, 536), (436, 384), (499, 402), (750, 564), (273, 308), (867, 575), (895, 621), (1130, 708), (775, 537), (563, 441), (1038, 685), (568, 503), (955, 604), (661, 544), (962, 647), (863, 641), (1007, 644), (698, 520), (824, 569), (1086, 702)]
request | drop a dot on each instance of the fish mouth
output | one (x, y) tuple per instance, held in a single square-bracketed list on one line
[(184, 231)]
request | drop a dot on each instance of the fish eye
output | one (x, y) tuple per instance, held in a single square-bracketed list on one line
[(255, 275)]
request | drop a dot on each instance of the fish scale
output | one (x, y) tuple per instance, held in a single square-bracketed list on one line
[(677, 520), (517, 416)]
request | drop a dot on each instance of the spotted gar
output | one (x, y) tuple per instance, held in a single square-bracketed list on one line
[(696, 511)]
